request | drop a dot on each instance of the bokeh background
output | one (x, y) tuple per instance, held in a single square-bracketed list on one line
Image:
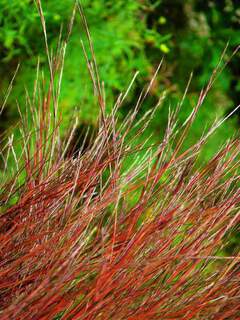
[(129, 35)]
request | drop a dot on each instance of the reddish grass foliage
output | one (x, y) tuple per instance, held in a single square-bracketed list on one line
[(88, 236)]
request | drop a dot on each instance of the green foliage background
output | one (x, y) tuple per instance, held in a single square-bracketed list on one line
[(129, 35)]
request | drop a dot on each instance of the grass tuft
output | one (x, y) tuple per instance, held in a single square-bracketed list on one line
[(117, 229)]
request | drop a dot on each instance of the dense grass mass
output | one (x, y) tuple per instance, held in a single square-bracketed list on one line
[(114, 227)]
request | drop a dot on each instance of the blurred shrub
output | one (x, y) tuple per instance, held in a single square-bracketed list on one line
[(128, 35)]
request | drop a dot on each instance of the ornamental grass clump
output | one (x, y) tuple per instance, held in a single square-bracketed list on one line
[(116, 229)]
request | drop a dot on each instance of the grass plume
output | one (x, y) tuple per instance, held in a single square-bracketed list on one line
[(85, 236)]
